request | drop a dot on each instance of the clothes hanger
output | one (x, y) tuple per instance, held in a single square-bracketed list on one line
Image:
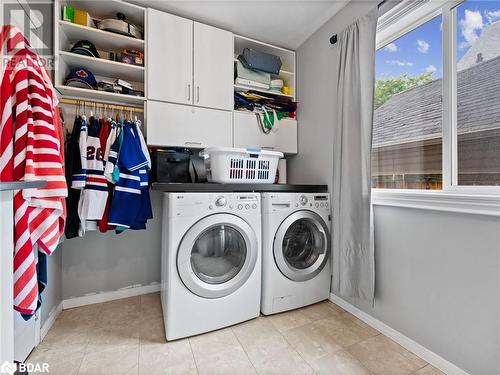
[(84, 117)]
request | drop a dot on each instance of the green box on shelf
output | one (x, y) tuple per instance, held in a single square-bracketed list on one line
[(68, 13)]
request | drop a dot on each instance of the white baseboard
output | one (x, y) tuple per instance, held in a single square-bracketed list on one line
[(109, 296), (54, 313), (407, 343)]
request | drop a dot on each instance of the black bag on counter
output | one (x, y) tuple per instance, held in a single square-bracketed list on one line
[(171, 165), (256, 60), (177, 164)]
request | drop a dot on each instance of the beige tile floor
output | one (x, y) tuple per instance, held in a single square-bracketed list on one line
[(127, 337)]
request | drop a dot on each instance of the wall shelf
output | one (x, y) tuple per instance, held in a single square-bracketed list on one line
[(103, 67), (264, 91), (104, 40), (104, 96), (282, 72)]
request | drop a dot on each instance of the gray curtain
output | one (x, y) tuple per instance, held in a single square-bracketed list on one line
[(353, 254)]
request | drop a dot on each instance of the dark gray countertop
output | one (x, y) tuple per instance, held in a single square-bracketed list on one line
[(209, 187), (16, 185)]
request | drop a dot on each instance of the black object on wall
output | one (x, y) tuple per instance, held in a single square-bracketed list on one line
[(334, 38)]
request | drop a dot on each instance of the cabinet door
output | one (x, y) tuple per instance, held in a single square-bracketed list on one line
[(247, 134), (187, 126), (213, 67), (169, 58)]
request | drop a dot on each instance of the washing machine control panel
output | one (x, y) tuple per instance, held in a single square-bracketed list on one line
[(237, 202), (221, 202), (303, 200), (247, 202), (194, 203)]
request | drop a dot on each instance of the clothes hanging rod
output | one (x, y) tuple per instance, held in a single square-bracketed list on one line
[(334, 38), (101, 105)]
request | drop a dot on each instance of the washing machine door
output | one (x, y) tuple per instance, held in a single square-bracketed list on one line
[(301, 245), (217, 255)]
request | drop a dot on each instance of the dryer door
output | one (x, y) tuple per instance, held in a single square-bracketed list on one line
[(301, 245), (217, 255)]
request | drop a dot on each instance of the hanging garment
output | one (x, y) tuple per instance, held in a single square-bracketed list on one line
[(107, 127), (142, 141), (41, 274), (73, 164), (112, 159), (80, 174), (113, 133), (131, 206), (95, 192), (30, 150)]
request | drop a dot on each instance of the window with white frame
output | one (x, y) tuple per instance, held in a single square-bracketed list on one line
[(437, 97), (477, 88)]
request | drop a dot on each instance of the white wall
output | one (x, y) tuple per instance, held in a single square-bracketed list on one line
[(437, 278), (52, 295)]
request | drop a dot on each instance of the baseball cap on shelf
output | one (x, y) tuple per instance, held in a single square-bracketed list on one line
[(85, 47), (81, 77)]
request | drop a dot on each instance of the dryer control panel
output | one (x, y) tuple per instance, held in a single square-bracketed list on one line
[(296, 201), (313, 201)]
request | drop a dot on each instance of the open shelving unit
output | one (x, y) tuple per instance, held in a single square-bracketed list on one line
[(104, 39), (103, 67), (287, 72), (101, 96), (263, 91), (68, 33)]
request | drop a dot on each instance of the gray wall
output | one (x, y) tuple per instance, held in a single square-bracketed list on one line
[(52, 295), (106, 262), (438, 273)]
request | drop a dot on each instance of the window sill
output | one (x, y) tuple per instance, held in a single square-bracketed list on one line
[(438, 201)]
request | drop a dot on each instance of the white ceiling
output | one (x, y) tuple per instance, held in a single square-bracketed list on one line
[(283, 23)]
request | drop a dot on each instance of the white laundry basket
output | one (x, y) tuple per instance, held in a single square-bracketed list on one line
[(240, 165)]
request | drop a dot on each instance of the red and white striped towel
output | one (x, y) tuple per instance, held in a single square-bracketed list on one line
[(31, 149)]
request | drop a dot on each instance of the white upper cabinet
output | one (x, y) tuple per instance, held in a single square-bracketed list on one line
[(169, 58), (188, 62), (213, 67)]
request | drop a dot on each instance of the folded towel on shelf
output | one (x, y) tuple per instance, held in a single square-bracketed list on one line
[(254, 84), (252, 75)]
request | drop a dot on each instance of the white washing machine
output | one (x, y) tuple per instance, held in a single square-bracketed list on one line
[(211, 262), (295, 250)]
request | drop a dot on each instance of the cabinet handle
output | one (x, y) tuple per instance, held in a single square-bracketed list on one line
[(197, 94), (193, 143), (189, 92), (267, 148)]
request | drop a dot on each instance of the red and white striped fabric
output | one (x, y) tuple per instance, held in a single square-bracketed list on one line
[(30, 149)]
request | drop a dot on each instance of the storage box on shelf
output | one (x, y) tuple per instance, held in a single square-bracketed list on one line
[(68, 33)]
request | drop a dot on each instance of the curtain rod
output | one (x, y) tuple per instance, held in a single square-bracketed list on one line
[(101, 105), (334, 38)]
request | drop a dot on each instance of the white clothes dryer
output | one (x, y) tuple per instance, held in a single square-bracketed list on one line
[(211, 261), (295, 250)]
